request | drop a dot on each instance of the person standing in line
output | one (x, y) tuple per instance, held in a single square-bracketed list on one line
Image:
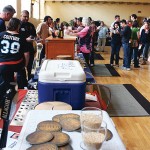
[(126, 36), (28, 31), (145, 41), (13, 55), (134, 44), (102, 35), (42, 32), (141, 46), (115, 44), (134, 19), (117, 19)]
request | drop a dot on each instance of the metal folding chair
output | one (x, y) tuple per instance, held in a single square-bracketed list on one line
[(103, 91)]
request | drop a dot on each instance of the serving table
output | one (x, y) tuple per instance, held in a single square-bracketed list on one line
[(36, 116)]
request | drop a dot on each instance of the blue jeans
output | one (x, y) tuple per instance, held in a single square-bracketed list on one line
[(126, 59), (134, 55), (115, 48), (145, 51)]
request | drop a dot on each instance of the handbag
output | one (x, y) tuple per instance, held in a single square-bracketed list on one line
[(134, 43)]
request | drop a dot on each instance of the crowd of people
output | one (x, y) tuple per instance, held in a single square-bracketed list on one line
[(17, 50), (128, 34)]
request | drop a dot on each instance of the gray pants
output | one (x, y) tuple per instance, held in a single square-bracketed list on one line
[(101, 44)]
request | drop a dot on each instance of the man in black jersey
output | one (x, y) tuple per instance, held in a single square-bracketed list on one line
[(27, 30), (13, 54), (6, 14)]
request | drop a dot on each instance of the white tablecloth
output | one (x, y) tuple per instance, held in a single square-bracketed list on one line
[(36, 116)]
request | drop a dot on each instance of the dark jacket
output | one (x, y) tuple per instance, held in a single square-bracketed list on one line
[(145, 37), (126, 34)]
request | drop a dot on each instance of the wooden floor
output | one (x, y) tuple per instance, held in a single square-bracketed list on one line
[(134, 131)]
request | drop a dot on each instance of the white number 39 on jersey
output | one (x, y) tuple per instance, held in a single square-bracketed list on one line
[(7, 47)]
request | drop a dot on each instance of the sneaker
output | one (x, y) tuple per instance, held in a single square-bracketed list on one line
[(123, 68), (97, 49), (112, 64), (128, 69), (91, 65)]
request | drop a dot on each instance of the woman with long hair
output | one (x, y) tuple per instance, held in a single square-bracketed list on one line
[(115, 44)]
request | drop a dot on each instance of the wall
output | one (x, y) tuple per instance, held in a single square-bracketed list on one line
[(98, 11)]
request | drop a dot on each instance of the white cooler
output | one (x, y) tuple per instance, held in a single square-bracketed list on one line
[(62, 80)]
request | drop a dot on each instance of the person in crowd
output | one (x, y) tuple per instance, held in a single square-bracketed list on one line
[(115, 44), (28, 31), (126, 36), (102, 35), (6, 14), (93, 29), (14, 55), (117, 19), (143, 26), (140, 48), (134, 44), (51, 29), (75, 24), (85, 39), (42, 32), (134, 19), (79, 25), (145, 41), (57, 24), (129, 23)]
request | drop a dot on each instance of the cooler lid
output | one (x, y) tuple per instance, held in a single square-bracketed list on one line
[(61, 70)]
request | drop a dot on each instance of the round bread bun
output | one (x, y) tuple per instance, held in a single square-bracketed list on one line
[(61, 106), (54, 105), (49, 125), (57, 118), (69, 115), (44, 106), (65, 147), (70, 124), (60, 138), (39, 137), (45, 146), (109, 135)]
